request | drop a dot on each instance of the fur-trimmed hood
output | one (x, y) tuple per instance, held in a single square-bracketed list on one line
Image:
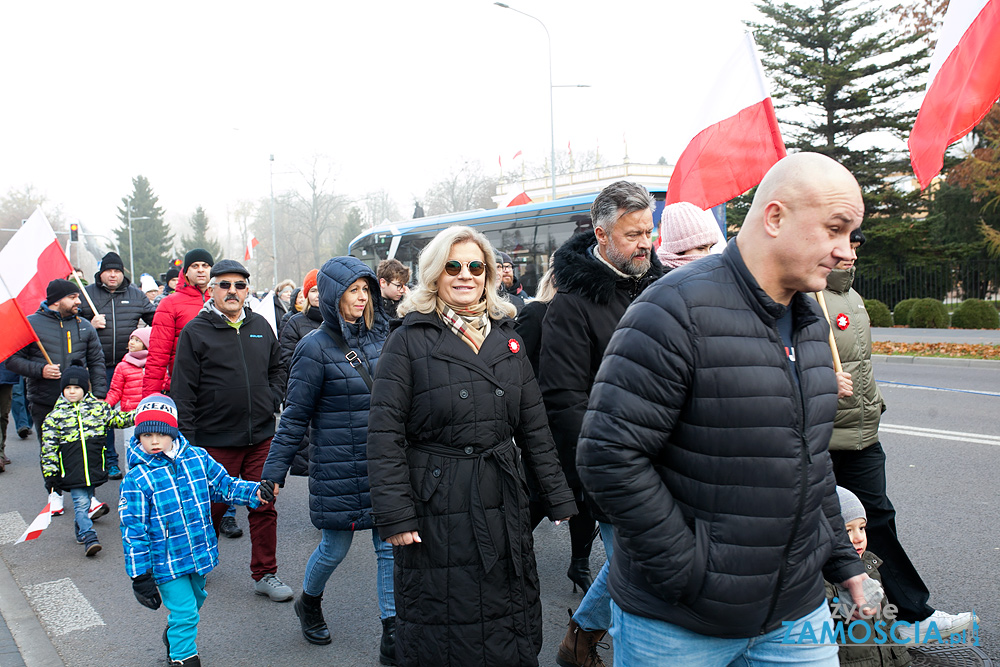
[(577, 270)]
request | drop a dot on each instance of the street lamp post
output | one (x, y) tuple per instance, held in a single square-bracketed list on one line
[(274, 235), (552, 116), (128, 212)]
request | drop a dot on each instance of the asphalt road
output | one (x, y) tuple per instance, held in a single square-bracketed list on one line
[(943, 486)]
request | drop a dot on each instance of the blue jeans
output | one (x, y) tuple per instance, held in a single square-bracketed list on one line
[(594, 612), (646, 642), (19, 406), (81, 506), (331, 551), (110, 454), (183, 598)]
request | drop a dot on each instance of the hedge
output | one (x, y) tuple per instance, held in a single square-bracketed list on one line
[(929, 314), (975, 314), (901, 313)]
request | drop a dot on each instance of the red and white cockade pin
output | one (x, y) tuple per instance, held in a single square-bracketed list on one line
[(513, 345), (843, 322)]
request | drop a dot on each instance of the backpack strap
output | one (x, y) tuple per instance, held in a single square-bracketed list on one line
[(350, 355)]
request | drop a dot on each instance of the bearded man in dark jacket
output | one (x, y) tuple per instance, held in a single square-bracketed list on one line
[(120, 305), (228, 382), (599, 274), (705, 441)]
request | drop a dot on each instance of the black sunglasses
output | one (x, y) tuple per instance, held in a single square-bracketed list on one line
[(225, 284), (454, 267)]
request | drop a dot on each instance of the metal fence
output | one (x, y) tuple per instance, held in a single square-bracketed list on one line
[(949, 281)]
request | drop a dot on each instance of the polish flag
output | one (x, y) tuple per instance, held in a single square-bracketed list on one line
[(740, 141), (30, 260), (964, 83), (517, 199), (16, 331), (40, 523), (252, 243)]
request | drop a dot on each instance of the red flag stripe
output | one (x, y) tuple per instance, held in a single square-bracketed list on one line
[(16, 331), (963, 90), (728, 158)]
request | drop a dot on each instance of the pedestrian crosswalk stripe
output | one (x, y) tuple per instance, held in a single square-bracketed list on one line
[(12, 526), (61, 607)]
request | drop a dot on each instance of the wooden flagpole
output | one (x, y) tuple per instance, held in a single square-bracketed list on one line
[(837, 366)]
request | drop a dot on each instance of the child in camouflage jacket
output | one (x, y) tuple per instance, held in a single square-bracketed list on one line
[(73, 438)]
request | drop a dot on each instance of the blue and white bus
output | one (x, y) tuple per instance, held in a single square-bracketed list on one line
[(529, 233)]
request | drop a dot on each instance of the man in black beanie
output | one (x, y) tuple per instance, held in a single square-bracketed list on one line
[(120, 306), (66, 337)]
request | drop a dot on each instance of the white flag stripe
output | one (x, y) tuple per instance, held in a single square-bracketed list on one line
[(19, 258), (957, 20)]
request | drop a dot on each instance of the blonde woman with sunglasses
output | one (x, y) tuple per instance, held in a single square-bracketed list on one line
[(453, 392)]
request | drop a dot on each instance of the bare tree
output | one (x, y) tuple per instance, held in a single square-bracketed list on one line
[(315, 211), (19, 203), (464, 189), (377, 207)]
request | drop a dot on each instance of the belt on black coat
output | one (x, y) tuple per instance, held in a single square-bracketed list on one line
[(505, 454)]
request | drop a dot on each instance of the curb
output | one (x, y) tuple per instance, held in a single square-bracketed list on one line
[(33, 642), (936, 361)]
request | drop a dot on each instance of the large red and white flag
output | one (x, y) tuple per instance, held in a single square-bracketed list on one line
[(30, 260), (740, 140), (16, 331), (252, 243), (964, 83), (40, 523)]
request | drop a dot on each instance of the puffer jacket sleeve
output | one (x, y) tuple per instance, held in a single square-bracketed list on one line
[(117, 419), (117, 385), (25, 364), (535, 440), (305, 386), (224, 488), (388, 472), (148, 311), (277, 373), (161, 344), (133, 507), (288, 338), (95, 360), (50, 444), (638, 393)]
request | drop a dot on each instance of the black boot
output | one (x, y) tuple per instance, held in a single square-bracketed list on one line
[(579, 573), (309, 609), (193, 661), (387, 649)]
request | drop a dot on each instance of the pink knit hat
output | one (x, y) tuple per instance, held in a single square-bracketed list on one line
[(683, 227), (143, 335)]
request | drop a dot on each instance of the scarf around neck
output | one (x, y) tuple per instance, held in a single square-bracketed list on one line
[(471, 324)]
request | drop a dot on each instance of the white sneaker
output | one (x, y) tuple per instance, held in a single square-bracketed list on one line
[(97, 509), (946, 624), (55, 504), (272, 587)]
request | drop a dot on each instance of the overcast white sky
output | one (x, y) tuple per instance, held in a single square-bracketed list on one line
[(195, 96)]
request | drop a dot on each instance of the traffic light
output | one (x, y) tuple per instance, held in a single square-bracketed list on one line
[(177, 263), (74, 232)]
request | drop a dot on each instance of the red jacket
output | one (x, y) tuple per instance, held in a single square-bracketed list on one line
[(171, 315), (126, 385)]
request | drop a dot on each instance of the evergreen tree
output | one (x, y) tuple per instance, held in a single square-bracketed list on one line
[(841, 72), (199, 225), (352, 227), (151, 238)]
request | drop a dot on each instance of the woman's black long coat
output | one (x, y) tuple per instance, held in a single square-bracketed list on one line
[(441, 462)]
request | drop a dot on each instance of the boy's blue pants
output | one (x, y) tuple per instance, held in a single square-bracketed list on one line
[(183, 597)]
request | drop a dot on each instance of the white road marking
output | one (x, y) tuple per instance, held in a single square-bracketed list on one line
[(959, 436), (904, 385), (12, 526), (61, 606)]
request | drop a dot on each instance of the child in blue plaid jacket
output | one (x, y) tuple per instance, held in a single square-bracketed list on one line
[(166, 521)]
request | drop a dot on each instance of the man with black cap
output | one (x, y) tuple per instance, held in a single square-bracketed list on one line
[(228, 382), (509, 284), (172, 314), (66, 337), (170, 278), (120, 306)]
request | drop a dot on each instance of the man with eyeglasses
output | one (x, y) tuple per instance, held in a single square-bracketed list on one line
[(509, 284), (392, 278), (228, 382)]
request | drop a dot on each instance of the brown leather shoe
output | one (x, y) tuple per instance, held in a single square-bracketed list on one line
[(579, 646)]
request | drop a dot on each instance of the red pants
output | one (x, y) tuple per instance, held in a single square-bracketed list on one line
[(248, 463)]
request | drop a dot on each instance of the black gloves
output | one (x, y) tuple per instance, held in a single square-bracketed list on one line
[(52, 482), (267, 490), (146, 591)]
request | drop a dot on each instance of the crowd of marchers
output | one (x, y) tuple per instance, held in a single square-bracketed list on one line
[(680, 401)]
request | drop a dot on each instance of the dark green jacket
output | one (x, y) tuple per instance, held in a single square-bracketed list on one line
[(856, 424), (858, 655)]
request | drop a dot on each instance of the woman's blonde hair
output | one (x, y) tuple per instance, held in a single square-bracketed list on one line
[(547, 286), (423, 299)]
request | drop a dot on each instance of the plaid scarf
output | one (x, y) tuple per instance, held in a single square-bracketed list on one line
[(472, 325)]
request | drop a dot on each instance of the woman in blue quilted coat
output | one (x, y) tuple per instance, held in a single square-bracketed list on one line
[(331, 393)]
